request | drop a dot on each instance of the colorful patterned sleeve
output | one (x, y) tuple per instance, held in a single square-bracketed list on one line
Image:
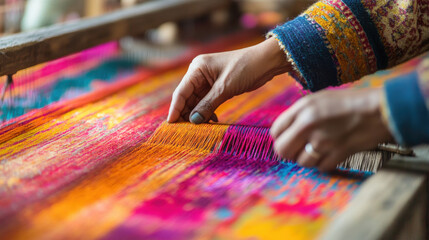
[(340, 41), (406, 106)]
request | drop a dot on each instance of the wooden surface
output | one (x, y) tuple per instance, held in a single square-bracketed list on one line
[(419, 162), (28, 49), (413, 224), (385, 205)]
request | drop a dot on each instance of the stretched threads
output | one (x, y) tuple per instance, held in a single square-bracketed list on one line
[(25, 122), (235, 140), (44, 74), (105, 166), (139, 178), (235, 109), (266, 113), (66, 87), (231, 182), (46, 133), (186, 136), (249, 142)]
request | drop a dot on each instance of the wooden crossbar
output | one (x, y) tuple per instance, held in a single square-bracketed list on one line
[(27, 49)]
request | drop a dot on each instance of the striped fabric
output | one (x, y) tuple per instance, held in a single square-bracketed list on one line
[(340, 41)]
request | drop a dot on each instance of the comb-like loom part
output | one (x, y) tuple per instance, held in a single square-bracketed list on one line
[(248, 142), (369, 161)]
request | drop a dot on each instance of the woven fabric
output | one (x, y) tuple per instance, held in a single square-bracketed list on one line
[(105, 165), (63, 79)]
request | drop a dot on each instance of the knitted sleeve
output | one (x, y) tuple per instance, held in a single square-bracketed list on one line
[(339, 41)]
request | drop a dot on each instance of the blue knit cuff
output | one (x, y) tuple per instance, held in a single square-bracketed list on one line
[(308, 52), (406, 109)]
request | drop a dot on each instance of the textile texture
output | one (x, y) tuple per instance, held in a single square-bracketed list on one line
[(323, 41), (105, 165)]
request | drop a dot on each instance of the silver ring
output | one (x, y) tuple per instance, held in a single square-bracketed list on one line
[(310, 150)]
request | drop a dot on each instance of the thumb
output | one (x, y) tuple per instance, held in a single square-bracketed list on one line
[(204, 110)]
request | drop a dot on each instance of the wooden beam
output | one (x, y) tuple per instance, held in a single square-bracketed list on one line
[(383, 208), (418, 162), (27, 49)]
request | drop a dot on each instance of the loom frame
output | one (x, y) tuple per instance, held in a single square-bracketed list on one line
[(391, 204), (23, 50)]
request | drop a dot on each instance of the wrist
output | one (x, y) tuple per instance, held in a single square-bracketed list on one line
[(273, 57)]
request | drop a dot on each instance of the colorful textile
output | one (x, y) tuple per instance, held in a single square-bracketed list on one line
[(340, 41), (63, 79), (403, 27), (323, 41), (105, 165)]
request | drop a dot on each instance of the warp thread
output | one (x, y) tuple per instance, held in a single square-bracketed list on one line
[(105, 166)]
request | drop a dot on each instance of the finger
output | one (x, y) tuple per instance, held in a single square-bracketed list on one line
[(185, 113), (353, 144), (286, 119), (180, 96), (176, 107), (307, 160), (331, 160), (181, 119), (193, 100), (190, 104), (198, 96), (339, 153), (350, 145), (289, 144), (214, 118), (206, 107)]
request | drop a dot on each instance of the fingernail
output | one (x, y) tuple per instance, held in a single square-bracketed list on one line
[(197, 118)]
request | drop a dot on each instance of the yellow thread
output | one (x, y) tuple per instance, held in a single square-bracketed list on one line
[(343, 39)]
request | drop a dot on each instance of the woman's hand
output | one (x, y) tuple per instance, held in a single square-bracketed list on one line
[(337, 123), (214, 78)]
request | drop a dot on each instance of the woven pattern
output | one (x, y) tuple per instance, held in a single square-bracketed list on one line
[(323, 41), (105, 165), (403, 27), (63, 79)]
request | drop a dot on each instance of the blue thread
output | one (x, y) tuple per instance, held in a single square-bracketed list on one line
[(309, 52)]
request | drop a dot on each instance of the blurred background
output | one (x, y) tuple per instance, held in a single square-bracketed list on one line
[(166, 41), (25, 15)]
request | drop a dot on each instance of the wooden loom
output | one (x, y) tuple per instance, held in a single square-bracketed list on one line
[(392, 204)]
